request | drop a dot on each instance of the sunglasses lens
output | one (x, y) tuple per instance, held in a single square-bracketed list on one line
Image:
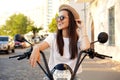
[(62, 18)]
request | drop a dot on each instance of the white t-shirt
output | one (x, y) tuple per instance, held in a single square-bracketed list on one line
[(56, 58)]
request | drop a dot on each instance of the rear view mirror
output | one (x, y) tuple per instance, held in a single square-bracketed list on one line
[(19, 38), (102, 37)]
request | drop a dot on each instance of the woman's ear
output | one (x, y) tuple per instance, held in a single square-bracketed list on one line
[(80, 24), (78, 31)]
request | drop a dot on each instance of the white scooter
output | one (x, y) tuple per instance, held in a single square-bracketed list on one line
[(63, 71)]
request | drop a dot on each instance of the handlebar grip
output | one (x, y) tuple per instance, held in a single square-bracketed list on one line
[(14, 56), (22, 56), (101, 56), (25, 55)]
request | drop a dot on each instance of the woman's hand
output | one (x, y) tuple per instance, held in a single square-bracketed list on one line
[(35, 56), (81, 30)]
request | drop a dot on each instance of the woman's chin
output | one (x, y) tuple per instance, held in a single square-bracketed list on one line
[(59, 28)]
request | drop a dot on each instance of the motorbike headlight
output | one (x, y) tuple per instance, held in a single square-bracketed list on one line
[(62, 75), (62, 72)]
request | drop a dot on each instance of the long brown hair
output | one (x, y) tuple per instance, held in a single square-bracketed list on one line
[(73, 37)]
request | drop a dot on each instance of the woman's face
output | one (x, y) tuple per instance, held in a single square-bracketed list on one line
[(63, 20)]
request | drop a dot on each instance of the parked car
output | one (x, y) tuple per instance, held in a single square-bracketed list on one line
[(6, 44), (20, 44)]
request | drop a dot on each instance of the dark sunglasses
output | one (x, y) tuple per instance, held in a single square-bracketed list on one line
[(61, 18)]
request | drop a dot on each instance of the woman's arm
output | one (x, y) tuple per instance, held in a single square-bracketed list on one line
[(83, 37), (35, 55), (84, 40)]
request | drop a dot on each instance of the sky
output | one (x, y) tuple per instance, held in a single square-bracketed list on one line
[(9, 7), (18, 5)]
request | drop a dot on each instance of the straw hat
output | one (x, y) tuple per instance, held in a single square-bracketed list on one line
[(68, 7)]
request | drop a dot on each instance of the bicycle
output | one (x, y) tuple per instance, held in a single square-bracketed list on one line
[(63, 71)]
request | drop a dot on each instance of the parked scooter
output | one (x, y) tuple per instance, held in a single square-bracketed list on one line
[(63, 71)]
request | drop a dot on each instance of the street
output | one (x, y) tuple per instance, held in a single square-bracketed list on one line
[(12, 69)]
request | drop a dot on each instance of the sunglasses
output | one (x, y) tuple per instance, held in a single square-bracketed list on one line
[(61, 18)]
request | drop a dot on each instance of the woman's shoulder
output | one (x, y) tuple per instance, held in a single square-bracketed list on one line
[(53, 35), (50, 39)]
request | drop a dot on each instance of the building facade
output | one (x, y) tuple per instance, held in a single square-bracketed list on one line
[(103, 16)]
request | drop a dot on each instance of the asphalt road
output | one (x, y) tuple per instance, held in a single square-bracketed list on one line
[(12, 69)]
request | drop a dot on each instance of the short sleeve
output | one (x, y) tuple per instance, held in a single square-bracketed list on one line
[(50, 39)]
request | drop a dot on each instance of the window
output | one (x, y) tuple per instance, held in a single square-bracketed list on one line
[(111, 26), (3, 38)]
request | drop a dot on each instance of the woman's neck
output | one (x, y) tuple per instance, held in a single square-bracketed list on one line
[(65, 33)]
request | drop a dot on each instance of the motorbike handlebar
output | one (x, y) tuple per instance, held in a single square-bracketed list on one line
[(91, 53), (101, 56), (22, 56)]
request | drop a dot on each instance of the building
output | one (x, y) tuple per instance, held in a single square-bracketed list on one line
[(103, 16), (51, 10)]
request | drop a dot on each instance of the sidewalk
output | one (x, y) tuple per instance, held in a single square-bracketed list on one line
[(107, 64), (100, 69), (115, 65)]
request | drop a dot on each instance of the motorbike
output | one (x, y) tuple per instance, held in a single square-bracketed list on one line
[(63, 71)]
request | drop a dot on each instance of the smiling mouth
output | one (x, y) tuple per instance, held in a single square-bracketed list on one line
[(60, 24)]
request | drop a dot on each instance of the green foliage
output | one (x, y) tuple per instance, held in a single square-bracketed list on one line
[(53, 25), (35, 30), (3, 31), (17, 23)]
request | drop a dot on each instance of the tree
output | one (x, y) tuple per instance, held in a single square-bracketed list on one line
[(3, 31), (17, 23), (53, 25), (35, 30)]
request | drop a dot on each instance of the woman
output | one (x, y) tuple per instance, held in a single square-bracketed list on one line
[(64, 46)]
